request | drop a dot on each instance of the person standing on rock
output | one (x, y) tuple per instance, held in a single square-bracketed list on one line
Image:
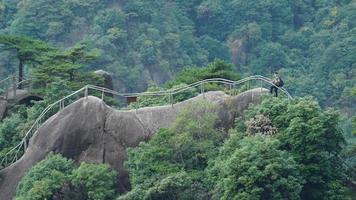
[(277, 81)]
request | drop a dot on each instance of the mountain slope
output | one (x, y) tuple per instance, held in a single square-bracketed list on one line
[(90, 131)]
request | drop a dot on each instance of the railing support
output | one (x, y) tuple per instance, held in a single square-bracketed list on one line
[(14, 86), (169, 98), (202, 90), (231, 91), (172, 100), (7, 92), (31, 86), (86, 92), (61, 105), (24, 144)]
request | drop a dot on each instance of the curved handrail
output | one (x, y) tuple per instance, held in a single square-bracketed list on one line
[(61, 102), (7, 78), (12, 83)]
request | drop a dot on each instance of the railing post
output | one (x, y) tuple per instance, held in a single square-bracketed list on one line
[(24, 145), (61, 105), (86, 92), (31, 86), (169, 98), (234, 89), (7, 91), (202, 91), (231, 92), (261, 84), (102, 95), (14, 86), (172, 100)]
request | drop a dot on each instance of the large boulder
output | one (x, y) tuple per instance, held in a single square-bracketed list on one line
[(108, 81), (90, 131)]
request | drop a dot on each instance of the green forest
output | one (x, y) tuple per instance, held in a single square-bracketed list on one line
[(306, 149)]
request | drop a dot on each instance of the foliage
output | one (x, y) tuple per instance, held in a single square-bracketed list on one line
[(28, 51), (67, 65), (56, 177), (354, 118), (260, 125), (312, 136), (21, 118), (216, 69), (254, 168), (45, 178), (97, 181), (147, 100), (11, 130), (310, 42), (173, 160), (174, 186)]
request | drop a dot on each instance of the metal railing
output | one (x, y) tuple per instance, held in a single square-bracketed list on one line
[(11, 84), (15, 153)]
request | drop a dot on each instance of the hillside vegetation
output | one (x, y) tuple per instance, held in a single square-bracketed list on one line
[(300, 149), (312, 42)]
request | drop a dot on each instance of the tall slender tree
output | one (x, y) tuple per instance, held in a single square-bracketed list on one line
[(28, 51)]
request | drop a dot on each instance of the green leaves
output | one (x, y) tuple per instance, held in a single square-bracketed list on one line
[(312, 136), (216, 69), (67, 65), (298, 161), (45, 178), (57, 178), (256, 169), (171, 164), (97, 181)]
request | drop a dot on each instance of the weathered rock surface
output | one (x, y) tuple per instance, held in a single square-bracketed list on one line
[(90, 131), (108, 81), (22, 96)]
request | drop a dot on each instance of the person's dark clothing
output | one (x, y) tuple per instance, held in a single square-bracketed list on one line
[(275, 90), (277, 81)]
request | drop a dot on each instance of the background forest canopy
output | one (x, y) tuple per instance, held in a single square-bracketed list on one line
[(160, 44), (311, 42)]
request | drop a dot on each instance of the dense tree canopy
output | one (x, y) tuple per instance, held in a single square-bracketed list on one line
[(278, 150), (28, 51), (256, 169), (285, 150), (56, 177), (311, 42), (313, 137)]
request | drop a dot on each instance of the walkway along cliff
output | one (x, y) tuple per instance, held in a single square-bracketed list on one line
[(89, 130)]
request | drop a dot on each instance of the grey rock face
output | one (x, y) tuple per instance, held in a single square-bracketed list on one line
[(90, 131), (108, 81)]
